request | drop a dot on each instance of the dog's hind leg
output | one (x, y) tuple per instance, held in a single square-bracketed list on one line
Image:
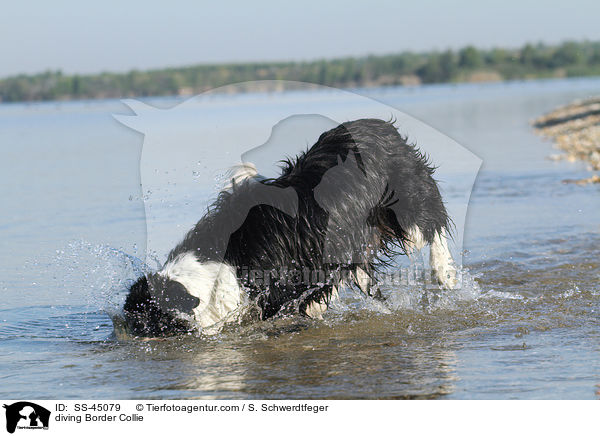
[(364, 281), (415, 240), (440, 260)]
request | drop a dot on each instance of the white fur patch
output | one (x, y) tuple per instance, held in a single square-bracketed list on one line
[(239, 173), (363, 281), (214, 283), (416, 240), (316, 309), (441, 261)]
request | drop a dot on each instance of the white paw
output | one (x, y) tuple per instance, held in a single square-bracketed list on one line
[(446, 276)]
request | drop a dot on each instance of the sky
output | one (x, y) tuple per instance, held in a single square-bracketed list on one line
[(88, 37)]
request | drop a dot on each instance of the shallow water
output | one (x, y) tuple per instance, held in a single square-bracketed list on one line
[(524, 324)]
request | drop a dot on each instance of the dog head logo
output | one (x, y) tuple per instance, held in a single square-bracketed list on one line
[(26, 415)]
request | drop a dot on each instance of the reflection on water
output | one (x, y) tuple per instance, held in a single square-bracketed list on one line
[(524, 325), (311, 362)]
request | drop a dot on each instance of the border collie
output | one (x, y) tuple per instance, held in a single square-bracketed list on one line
[(337, 213)]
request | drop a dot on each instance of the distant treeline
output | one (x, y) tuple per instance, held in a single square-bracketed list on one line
[(466, 65)]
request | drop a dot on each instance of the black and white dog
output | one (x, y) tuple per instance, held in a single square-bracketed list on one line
[(336, 213)]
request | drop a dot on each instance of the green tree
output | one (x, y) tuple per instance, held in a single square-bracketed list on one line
[(438, 68), (448, 65), (527, 54), (569, 53), (469, 57), (595, 55)]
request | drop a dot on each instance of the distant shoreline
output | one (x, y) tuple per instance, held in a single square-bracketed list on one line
[(467, 65)]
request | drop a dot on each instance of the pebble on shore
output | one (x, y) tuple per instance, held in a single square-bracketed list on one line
[(575, 129)]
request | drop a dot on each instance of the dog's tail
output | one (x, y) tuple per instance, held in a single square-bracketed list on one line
[(239, 173)]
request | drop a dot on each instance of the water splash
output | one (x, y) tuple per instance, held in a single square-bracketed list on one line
[(96, 273)]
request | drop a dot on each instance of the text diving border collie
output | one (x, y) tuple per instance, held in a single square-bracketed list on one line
[(337, 213)]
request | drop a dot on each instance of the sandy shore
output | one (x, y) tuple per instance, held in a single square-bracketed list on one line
[(575, 129)]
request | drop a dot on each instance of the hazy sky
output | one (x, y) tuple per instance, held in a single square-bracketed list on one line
[(85, 36)]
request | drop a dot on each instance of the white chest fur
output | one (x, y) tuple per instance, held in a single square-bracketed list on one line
[(214, 283)]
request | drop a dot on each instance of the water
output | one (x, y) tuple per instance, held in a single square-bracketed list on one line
[(524, 325)]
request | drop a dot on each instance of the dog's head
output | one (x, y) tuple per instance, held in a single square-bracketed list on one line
[(185, 295), (158, 306)]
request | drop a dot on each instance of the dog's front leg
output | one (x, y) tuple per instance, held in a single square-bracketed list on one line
[(315, 308), (440, 260)]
